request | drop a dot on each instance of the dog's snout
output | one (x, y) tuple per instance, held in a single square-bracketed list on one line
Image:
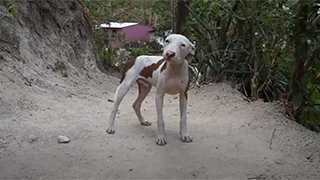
[(170, 54)]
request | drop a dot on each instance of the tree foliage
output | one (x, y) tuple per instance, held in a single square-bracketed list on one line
[(152, 12), (270, 48)]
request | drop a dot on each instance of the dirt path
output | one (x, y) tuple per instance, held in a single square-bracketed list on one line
[(233, 139)]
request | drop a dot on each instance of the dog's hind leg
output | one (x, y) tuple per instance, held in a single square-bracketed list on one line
[(144, 89), (122, 90)]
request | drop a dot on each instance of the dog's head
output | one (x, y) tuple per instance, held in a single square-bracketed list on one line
[(178, 48)]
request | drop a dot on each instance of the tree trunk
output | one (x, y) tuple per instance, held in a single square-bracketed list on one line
[(299, 92), (173, 17), (181, 15)]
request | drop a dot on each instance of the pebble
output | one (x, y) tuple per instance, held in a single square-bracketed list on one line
[(63, 139), (33, 138), (3, 143)]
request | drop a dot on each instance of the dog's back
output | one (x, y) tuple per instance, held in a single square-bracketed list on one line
[(148, 68)]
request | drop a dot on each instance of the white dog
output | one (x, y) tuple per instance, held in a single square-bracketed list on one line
[(168, 73)]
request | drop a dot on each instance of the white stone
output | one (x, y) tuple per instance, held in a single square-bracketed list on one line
[(63, 139)]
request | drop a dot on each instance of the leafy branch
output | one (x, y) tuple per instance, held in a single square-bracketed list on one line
[(13, 9)]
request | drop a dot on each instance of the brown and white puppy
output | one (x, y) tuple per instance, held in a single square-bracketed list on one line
[(168, 73)]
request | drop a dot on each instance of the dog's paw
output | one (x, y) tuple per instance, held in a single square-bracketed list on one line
[(161, 142), (110, 131), (146, 123), (186, 139)]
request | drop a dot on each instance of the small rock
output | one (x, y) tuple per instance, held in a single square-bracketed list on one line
[(3, 143), (63, 139), (32, 138), (130, 169)]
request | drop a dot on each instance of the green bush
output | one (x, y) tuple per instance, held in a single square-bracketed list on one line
[(269, 48)]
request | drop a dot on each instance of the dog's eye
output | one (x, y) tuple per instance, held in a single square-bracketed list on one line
[(183, 45), (167, 41)]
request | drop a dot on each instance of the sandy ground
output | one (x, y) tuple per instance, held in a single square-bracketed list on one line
[(233, 139)]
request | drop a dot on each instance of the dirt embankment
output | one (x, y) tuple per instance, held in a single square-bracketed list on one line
[(233, 139), (44, 36)]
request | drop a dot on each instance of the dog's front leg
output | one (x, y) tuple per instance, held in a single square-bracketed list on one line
[(183, 118), (161, 141)]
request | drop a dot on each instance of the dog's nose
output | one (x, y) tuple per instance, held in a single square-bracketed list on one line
[(170, 54)]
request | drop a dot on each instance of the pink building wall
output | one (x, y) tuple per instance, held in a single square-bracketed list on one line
[(138, 32)]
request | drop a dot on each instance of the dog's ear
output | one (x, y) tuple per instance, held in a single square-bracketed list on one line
[(192, 52)]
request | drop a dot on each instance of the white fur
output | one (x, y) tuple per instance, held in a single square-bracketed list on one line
[(178, 51)]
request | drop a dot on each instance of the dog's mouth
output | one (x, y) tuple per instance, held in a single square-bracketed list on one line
[(169, 59)]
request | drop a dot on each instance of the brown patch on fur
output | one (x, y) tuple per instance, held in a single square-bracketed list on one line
[(126, 67), (142, 83), (164, 66), (147, 71)]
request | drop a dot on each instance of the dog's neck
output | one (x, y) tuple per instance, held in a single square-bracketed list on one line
[(176, 66), (174, 69)]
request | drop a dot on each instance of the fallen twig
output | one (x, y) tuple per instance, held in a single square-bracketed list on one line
[(260, 176), (272, 136)]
